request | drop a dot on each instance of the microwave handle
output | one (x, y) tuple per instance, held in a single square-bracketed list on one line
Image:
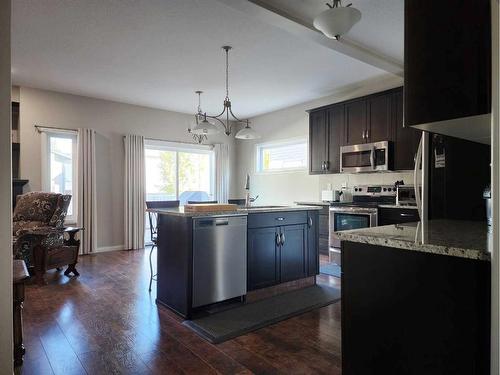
[(372, 158)]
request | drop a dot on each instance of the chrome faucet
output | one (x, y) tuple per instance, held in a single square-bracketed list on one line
[(248, 199)]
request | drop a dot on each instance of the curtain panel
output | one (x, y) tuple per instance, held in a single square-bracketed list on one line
[(86, 193), (221, 172), (134, 192)]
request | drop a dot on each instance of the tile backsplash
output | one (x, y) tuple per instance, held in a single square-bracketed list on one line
[(351, 180)]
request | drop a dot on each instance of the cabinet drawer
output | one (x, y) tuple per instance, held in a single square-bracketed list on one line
[(389, 216), (272, 219)]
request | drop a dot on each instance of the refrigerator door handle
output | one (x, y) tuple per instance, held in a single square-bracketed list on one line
[(418, 161)]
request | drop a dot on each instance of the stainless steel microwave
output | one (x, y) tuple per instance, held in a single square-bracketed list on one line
[(367, 157)]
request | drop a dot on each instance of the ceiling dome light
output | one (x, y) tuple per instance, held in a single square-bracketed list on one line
[(337, 20), (247, 133)]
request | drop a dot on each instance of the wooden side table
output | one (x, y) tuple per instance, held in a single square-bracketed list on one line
[(19, 276)]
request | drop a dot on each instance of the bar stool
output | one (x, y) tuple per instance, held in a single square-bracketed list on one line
[(153, 230)]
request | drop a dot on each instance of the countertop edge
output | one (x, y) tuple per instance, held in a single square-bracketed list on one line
[(475, 254), (239, 212)]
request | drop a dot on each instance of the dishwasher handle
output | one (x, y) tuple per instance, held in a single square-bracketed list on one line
[(222, 221)]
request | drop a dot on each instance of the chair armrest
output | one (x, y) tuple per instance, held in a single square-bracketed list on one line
[(39, 231)]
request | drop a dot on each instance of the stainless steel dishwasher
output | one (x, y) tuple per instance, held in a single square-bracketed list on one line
[(219, 259)]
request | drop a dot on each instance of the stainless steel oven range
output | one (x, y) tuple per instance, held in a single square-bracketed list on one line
[(362, 212)]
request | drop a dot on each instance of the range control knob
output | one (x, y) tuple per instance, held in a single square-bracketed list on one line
[(385, 189)]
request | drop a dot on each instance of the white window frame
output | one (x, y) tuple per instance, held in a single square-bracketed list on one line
[(277, 143), (178, 147), (46, 134)]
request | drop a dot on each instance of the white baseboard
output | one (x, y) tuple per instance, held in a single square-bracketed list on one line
[(104, 249)]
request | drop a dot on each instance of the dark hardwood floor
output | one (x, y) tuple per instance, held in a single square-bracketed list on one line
[(106, 322)]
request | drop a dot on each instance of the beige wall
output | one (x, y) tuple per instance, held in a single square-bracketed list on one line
[(6, 361), (15, 92), (111, 121), (293, 122)]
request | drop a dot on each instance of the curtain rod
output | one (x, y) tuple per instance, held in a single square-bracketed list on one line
[(39, 128), (183, 142)]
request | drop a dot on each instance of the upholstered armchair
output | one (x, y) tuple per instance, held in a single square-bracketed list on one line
[(38, 233)]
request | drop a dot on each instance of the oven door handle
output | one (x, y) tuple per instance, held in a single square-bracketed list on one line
[(372, 158)]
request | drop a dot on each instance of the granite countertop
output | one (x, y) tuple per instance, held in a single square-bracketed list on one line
[(464, 239), (179, 211), (397, 206), (313, 203)]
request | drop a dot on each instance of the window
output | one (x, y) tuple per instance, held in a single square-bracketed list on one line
[(59, 167), (282, 156), (178, 172)]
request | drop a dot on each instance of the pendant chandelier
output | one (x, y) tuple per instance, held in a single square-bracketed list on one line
[(208, 125)]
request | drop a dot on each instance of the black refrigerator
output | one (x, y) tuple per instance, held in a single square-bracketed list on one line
[(459, 170)]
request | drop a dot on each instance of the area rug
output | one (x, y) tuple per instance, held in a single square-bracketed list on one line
[(332, 269), (222, 326)]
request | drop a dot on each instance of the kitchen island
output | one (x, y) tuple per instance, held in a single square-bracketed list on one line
[(208, 257), (416, 301)]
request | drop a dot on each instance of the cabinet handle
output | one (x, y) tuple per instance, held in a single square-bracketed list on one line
[(367, 133), (363, 134), (405, 215), (278, 239), (327, 165), (282, 238), (280, 218), (310, 222)]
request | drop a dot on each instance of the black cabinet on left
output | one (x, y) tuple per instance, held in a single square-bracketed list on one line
[(262, 255), (326, 132), (317, 142), (282, 251)]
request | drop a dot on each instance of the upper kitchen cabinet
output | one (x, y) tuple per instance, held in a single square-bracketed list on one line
[(326, 131), (368, 119), (379, 117), (406, 139), (448, 67), (317, 142), (355, 119), (335, 137)]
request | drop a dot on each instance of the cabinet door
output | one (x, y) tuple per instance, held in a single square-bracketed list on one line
[(355, 116), (313, 243), (317, 141), (263, 258), (293, 252), (406, 139), (379, 118), (447, 69), (336, 125)]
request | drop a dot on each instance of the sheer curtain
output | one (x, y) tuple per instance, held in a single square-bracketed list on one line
[(221, 172), (86, 193), (134, 192)]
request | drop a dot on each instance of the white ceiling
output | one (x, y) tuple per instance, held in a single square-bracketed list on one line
[(157, 53), (380, 30)]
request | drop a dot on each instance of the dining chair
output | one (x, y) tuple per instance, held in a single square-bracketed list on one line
[(153, 230)]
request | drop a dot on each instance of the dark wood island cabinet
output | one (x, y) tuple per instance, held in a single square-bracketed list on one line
[(281, 247), (416, 308)]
